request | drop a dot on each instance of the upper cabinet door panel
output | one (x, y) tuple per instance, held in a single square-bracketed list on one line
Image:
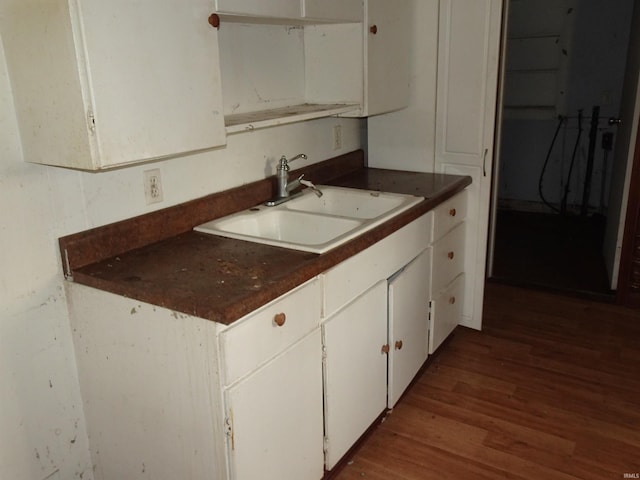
[(388, 41), (261, 8), (388, 59), (154, 78), (333, 10), (98, 84)]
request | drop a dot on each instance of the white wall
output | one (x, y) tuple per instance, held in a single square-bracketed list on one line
[(42, 429)]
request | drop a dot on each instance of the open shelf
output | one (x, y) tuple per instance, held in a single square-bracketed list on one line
[(241, 122)]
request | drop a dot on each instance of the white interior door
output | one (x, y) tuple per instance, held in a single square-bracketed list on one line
[(495, 182), (623, 155)]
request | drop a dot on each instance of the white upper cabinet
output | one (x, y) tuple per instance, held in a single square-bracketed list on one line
[(387, 37), (101, 84), (260, 8), (333, 10)]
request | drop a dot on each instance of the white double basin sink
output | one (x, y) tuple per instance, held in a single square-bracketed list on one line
[(310, 223)]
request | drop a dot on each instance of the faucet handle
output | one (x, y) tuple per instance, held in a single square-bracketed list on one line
[(284, 163)]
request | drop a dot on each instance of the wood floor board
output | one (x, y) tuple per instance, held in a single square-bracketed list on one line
[(447, 377), (550, 389)]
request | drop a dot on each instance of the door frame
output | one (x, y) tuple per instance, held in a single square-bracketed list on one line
[(630, 204), (625, 295)]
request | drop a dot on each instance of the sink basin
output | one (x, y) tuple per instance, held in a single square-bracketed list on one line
[(310, 223), (281, 227), (349, 202)]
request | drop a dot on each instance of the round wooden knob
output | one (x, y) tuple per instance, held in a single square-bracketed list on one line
[(452, 300), (452, 212), (385, 348), (279, 319), (398, 344), (214, 20), (373, 29), (451, 255)]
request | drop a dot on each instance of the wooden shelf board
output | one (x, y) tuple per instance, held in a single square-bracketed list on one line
[(241, 122)]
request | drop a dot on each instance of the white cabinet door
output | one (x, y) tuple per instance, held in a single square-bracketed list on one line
[(468, 54), (355, 373), (99, 84), (262, 8), (275, 417), (387, 33), (408, 324), (333, 10), (155, 78)]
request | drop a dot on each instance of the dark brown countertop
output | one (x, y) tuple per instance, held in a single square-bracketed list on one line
[(165, 263)]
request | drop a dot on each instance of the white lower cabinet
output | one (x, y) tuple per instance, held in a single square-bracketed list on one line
[(408, 324), (446, 312), (449, 257), (355, 370), (282, 393), (272, 368), (274, 417)]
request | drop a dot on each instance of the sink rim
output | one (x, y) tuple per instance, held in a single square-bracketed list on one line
[(363, 224)]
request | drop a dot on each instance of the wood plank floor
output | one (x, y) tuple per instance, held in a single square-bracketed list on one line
[(550, 389)]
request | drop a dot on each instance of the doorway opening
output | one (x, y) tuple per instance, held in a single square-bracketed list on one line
[(564, 72)]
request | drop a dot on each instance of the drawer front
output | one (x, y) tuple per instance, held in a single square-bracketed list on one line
[(446, 312), (448, 214), (448, 258), (347, 280), (258, 337)]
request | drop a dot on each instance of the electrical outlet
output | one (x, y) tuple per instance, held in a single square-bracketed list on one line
[(152, 186), (337, 137)]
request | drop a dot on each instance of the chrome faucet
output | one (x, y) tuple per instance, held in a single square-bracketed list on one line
[(285, 187), (282, 174)]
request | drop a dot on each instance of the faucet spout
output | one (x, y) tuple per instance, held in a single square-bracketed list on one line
[(310, 185), (291, 186)]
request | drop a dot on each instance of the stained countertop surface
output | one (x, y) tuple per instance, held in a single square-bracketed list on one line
[(223, 279)]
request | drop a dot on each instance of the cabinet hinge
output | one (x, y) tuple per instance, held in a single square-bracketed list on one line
[(326, 444), (324, 352), (91, 121), (228, 430)]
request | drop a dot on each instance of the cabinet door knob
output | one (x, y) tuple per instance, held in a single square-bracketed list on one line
[(452, 300), (452, 212), (214, 20), (398, 344), (279, 319), (385, 348), (451, 255), (373, 29)]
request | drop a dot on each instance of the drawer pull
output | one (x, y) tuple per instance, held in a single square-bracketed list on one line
[(452, 300), (398, 344), (373, 29), (279, 319), (385, 348), (452, 212), (451, 255)]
